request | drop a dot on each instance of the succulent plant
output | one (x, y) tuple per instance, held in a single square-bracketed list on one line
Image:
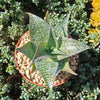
[(49, 48)]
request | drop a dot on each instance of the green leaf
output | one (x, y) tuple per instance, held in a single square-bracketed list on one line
[(51, 43), (28, 49), (70, 47), (61, 30), (1, 27), (67, 67), (65, 24), (49, 69), (10, 69), (39, 29)]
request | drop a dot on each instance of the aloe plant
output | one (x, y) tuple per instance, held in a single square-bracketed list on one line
[(49, 48)]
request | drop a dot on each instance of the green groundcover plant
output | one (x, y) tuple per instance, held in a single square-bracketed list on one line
[(49, 48)]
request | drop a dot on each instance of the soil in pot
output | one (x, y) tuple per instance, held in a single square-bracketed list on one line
[(33, 76)]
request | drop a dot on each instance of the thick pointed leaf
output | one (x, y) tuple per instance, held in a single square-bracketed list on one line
[(61, 30), (28, 49), (39, 29), (67, 67), (49, 69), (71, 47), (51, 43), (65, 25)]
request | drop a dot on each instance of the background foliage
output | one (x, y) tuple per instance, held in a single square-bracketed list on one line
[(14, 22)]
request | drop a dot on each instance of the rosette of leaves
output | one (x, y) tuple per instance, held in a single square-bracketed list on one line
[(49, 48)]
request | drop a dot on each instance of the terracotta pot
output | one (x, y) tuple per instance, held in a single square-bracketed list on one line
[(31, 80)]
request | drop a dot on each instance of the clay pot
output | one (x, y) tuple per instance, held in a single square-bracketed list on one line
[(74, 67)]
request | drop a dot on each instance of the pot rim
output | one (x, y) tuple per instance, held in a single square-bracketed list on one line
[(28, 78)]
